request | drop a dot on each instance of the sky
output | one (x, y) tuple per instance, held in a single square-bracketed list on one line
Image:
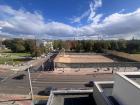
[(70, 19)]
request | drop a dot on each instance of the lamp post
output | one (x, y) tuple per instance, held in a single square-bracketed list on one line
[(32, 96)]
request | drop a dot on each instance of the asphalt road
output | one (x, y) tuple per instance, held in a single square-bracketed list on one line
[(19, 83)]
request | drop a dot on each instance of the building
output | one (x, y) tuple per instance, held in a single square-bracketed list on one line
[(48, 45), (71, 97), (124, 90), (1, 45)]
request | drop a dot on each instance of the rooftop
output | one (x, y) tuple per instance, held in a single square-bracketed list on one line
[(132, 77), (105, 90), (115, 92), (71, 97)]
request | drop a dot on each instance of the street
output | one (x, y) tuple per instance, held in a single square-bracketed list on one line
[(42, 80)]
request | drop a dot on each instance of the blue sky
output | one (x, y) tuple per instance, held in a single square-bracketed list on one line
[(69, 19)]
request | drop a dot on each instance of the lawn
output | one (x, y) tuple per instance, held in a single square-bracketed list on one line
[(13, 58)]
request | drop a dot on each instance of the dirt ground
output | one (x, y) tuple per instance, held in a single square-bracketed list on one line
[(82, 58)]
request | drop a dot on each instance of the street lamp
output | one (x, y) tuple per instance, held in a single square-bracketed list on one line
[(32, 96)]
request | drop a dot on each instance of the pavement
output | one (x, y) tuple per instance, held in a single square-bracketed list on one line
[(89, 71), (24, 66), (14, 99)]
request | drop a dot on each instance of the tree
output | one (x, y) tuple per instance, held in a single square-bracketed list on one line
[(19, 48), (114, 45)]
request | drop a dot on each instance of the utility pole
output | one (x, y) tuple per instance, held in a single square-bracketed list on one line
[(31, 88)]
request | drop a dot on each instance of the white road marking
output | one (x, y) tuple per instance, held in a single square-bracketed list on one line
[(61, 82)]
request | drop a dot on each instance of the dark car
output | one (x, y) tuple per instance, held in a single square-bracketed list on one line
[(46, 91), (90, 84)]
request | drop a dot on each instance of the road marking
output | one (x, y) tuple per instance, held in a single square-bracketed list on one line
[(61, 82)]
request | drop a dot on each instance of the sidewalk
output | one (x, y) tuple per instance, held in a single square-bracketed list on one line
[(24, 66), (89, 71), (76, 71), (9, 99)]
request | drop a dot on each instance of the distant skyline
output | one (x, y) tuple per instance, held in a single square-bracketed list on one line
[(70, 19)]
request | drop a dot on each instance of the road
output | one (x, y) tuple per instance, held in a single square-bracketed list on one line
[(19, 83)]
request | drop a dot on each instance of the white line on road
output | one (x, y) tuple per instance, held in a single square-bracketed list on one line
[(61, 82)]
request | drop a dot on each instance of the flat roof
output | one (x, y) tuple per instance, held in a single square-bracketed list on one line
[(105, 88), (132, 77), (73, 97), (136, 80)]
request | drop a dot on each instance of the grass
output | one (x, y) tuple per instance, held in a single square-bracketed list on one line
[(10, 58), (5, 51)]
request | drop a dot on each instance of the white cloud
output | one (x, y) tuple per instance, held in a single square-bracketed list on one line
[(59, 29), (78, 19), (122, 23), (117, 25), (93, 7), (90, 13), (97, 18), (98, 3), (23, 23), (20, 20)]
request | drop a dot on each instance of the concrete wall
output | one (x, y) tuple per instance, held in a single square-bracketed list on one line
[(125, 91), (57, 97), (57, 100), (89, 65), (99, 95)]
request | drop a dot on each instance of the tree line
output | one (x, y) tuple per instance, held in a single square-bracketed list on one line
[(129, 46), (25, 46), (36, 49)]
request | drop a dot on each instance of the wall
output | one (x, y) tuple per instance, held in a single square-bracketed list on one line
[(98, 93), (89, 65), (125, 92), (59, 99)]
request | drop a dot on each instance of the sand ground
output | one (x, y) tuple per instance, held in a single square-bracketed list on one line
[(82, 58)]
